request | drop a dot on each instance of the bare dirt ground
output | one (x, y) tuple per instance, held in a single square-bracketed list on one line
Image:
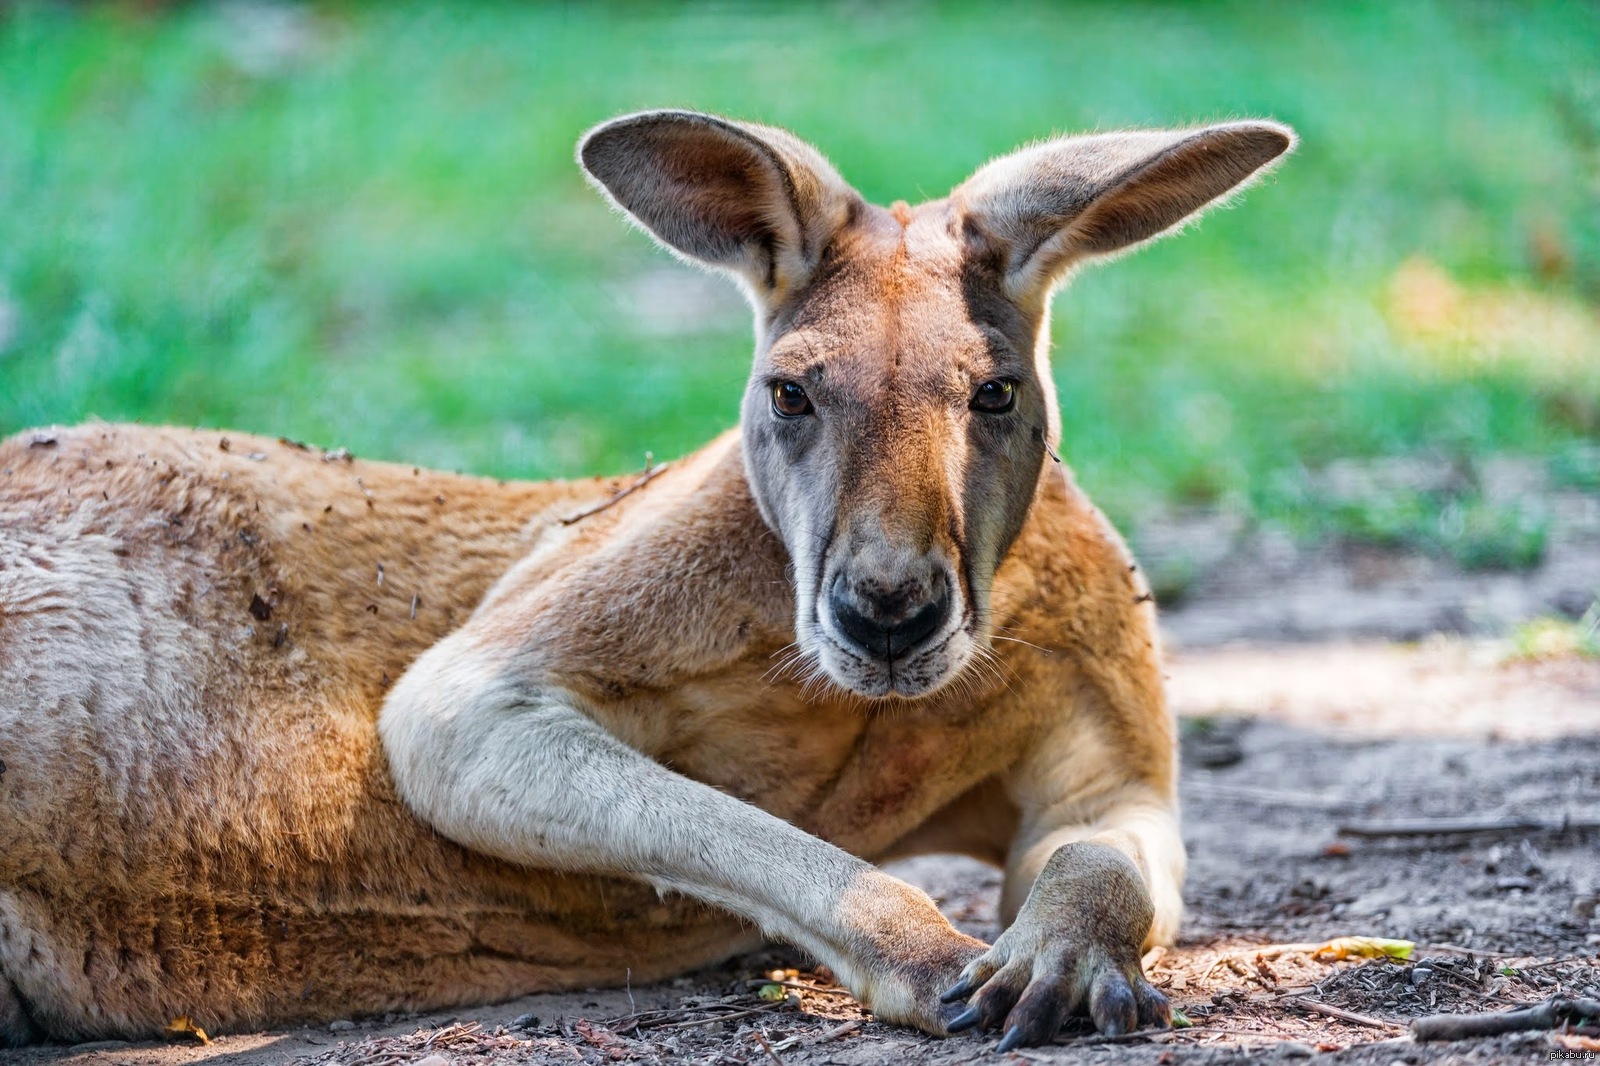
[(1299, 757)]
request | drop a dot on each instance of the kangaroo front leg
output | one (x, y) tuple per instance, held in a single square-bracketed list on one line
[(1092, 880), (513, 769)]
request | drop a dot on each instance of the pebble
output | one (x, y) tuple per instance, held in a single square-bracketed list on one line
[(1421, 974), (432, 1060), (525, 1021), (343, 1025), (1293, 1049)]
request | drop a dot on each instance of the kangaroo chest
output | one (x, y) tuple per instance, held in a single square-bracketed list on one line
[(860, 776)]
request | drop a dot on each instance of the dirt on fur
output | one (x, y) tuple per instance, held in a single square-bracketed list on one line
[(1306, 769)]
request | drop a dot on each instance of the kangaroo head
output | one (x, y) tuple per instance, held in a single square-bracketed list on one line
[(901, 404)]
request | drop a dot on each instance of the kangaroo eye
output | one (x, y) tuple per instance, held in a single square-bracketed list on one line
[(790, 400), (995, 397)]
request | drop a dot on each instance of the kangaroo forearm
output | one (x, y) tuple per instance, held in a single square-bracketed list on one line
[(1146, 832), (518, 773)]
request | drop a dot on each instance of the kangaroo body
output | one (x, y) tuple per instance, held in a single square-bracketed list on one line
[(290, 736)]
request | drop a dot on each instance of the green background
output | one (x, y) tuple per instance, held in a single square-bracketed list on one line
[(362, 226)]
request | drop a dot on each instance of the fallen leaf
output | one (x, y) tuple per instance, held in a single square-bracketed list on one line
[(772, 993), (1575, 1041), (604, 1039), (1363, 947), (183, 1028)]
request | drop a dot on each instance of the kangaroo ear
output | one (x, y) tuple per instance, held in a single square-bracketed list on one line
[(1047, 207), (752, 200)]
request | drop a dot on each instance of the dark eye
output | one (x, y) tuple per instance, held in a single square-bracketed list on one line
[(995, 397), (790, 400)]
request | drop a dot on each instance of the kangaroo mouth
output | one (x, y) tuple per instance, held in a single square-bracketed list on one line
[(909, 674)]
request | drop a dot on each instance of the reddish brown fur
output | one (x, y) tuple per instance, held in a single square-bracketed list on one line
[(198, 632)]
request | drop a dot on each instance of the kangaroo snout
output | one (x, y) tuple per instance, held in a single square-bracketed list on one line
[(885, 619)]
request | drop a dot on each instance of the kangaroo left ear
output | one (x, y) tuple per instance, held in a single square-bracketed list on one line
[(1045, 208), (753, 201)]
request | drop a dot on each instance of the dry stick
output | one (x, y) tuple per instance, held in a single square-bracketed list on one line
[(827, 1035), (644, 479), (655, 1019), (1158, 1036), (802, 986), (1573, 960), (1553, 1012), (768, 1049), (1342, 1014), (718, 1018), (1472, 951), (1269, 796), (1429, 827), (840, 1030)]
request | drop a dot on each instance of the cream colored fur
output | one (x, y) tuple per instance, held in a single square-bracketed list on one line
[(289, 736)]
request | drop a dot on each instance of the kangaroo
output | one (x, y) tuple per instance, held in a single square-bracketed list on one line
[(288, 736)]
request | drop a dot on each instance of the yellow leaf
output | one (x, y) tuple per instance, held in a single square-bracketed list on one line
[(183, 1027), (772, 993), (1364, 947)]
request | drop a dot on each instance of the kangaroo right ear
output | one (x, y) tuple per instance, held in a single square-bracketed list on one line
[(1045, 208), (752, 200)]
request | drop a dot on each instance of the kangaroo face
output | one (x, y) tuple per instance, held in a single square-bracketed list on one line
[(901, 405), (894, 429)]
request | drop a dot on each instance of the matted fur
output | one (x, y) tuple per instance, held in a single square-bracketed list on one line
[(288, 736)]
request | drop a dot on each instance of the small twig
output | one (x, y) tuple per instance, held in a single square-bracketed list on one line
[(827, 1035), (1553, 1012), (657, 1018), (1340, 1013), (644, 479), (802, 986), (1458, 949), (840, 1030), (1574, 960), (1271, 797), (719, 1018), (1159, 1036), (762, 1040), (1429, 827), (450, 1032)]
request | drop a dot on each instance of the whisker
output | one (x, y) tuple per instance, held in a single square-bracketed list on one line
[(1019, 640)]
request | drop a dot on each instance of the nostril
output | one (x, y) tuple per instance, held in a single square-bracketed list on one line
[(882, 634), (869, 633), (920, 626)]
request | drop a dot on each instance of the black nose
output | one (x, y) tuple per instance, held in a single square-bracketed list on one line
[(885, 627)]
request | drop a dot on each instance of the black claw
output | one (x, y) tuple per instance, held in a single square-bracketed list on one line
[(1111, 1004), (1012, 1040), (956, 991), (965, 1020), (1153, 1006)]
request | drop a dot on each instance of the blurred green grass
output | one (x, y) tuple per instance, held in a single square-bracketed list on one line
[(361, 224)]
